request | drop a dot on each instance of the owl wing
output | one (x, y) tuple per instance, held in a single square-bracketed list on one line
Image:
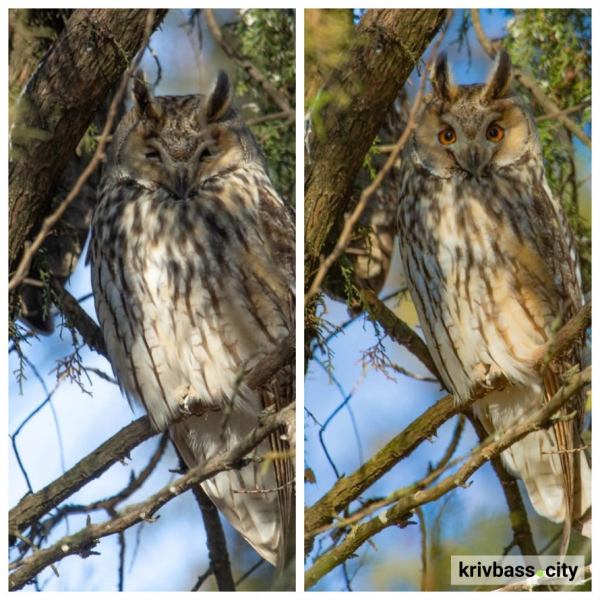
[(279, 233), (557, 246)]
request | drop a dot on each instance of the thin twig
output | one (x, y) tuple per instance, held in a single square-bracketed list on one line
[(50, 221), (245, 64), (548, 105), (291, 115), (249, 572), (423, 530), (276, 489), (397, 514)]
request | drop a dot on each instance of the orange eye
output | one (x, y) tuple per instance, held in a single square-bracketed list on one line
[(495, 133), (447, 136)]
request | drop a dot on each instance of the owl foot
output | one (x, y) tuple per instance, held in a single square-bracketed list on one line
[(187, 398), (488, 376)]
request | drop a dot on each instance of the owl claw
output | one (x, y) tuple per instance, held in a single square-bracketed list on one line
[(186, 397), (488, 375)]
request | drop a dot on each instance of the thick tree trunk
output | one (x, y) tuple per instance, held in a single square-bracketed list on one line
[(57, 106), (357, 97)]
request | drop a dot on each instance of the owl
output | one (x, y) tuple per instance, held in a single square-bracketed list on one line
[(192, 260), (491, 266)]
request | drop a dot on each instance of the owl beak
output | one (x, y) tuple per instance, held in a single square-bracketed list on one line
[(474, 163), (182, 185)]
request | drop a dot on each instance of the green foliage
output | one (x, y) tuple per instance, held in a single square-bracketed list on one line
[(267, 38), (89, 141), (554, 46), (371, 154)]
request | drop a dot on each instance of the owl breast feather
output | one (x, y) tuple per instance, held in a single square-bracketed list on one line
[(185, 304), (480, 284)]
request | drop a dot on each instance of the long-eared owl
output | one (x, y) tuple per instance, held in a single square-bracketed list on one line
[(192, 256), (491, 265)]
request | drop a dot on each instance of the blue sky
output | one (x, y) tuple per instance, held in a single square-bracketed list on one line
[(171, 553), (381, 408)]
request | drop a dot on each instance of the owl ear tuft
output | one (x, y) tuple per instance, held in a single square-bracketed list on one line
[(219, 98), (441, 78), (145, 108), (500, 79)]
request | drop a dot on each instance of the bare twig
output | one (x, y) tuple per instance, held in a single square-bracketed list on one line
[(245, 64), (50, 221), (566, 111), (399, 331), (548, 105), (423, 530), (249, 571), (82, 542), (78, 317), (291, 115)]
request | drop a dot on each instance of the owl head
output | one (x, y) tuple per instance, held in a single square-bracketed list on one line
[(472, 131), (178, 143)]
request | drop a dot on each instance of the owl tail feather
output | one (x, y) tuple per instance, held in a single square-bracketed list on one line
[(537, 461)]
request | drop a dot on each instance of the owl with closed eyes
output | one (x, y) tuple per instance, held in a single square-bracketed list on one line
[(491, 266), (192, 256)]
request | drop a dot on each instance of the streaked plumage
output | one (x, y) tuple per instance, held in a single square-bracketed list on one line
[(192, 257), (491, 265)]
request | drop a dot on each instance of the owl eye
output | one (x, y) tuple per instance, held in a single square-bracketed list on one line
[(152, 156), (447, 136), (495, 133)]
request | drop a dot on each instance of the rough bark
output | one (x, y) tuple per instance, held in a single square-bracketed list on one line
[(357, 97), (31, 33), (57, 106)]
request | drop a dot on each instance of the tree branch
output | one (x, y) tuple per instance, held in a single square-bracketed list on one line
[(350, 222), (354, 102), (83, 323), (32, 507), (399, 331), (517, 513), (218, 555), (85, 540), (548, 105), (570, 334), (60, 100), (398, 514)]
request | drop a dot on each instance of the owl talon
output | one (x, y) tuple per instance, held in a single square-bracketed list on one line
[(187, 398), (487, 375)]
